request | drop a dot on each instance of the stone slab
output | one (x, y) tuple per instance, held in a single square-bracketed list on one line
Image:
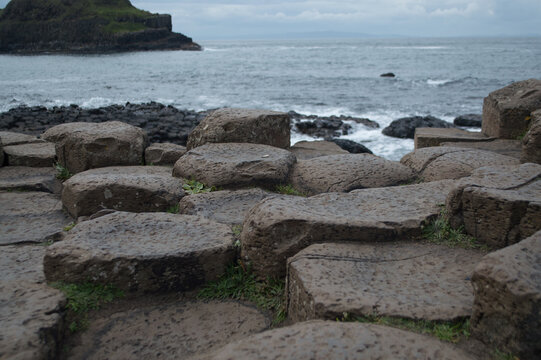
[(227, 207), (168, 331), (32, 155), (163, 153), (235, 165), (346, 172), (507, 287), (304, 150), (8, 138), (142, 252), (323, 340), (30, 217), (278, 228), (22, 263), (125, 188), (531, 149), (427, 137), (507, 147), (407, 280), (29, 179)]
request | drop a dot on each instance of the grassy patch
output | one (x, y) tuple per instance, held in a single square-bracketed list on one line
[(451, 331), (288, 190), (173, 209), (62, 173), (499, 355), (239, 283), (237, 230), (69, 226), (115, 27), (195, 187), (85, 297)]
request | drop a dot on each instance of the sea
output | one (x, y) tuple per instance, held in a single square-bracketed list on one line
[(443, 77)]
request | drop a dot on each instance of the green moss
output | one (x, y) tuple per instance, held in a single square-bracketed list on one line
[(195, 187), (288, 190), (173, 209), (62, 173), (69, 226)]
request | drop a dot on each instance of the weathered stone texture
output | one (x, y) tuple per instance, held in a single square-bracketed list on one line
[(32, 155), (9, 138), (163, 153), (304, 150), (242, 126), (531, 144), (29, 179), (427, 137), (507, 147)]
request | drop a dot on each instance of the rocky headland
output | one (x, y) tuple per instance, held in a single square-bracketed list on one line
[(85, 26)]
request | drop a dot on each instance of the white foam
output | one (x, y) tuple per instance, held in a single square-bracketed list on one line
[(438, 82)]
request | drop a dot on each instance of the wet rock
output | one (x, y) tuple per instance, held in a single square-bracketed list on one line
[(498, 205), (327, 280), (508, 298), (32, 155), (29, 179), (352, 146), (163, 153), (142, 252), (427, 137), (405, 127), (441, 162), (82, 146), (390, 74), (506, 112), (346, 172), (531, 148), (126, 188), (235, 164), (469, 120), (304, 150), (327, 127), (242, 126), (278, 228)]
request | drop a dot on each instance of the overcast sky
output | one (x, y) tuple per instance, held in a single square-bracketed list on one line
[(219, 19)]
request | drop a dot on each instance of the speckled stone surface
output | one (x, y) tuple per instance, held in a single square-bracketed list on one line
[(427, 137), (342, 173), (30, 217), (507, 147), (507, 287), (33, 155), (29, 179), (227, 207), (278, 228), (406, 280), (323, 340), (163, 153), (443, 162), (8, 138), (142, 252), (126, 188), (235, 164), (171, 331), (499, 205), (305, 150)]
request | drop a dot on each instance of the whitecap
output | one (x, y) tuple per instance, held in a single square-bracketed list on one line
[(438, 82)]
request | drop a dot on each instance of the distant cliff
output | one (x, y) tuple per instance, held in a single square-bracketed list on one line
[(85, 26)]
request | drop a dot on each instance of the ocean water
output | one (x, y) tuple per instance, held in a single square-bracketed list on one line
[(440, 77)]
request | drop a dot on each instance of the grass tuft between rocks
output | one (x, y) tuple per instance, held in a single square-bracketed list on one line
[(85, 297), (239, 283), (288, 190), (195, 187), (62, 173), (173, 209)]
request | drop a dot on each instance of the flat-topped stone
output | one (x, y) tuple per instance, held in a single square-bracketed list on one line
[(81, 146), (323, 340), (8, 138), (242, 126), (163, 153), (142, 252), (175, 330), (443, 162), (33, 155), (278, 228), (498, 205), (506, 112), (235, 164), (507, 147), (30, 217), (427, 137), (507, 286), (406, 280), (346, 172), (126, 188), (304, 150), (227, 207), (29, 179), (531, 149), (22, 263)]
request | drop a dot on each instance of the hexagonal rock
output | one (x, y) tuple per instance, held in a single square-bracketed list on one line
[(142, 252), (442, 162), (305, 150), (235, 164), (498, 205), (323, 340), (30, 217), (242, 126), (343, 173), (126, 188), (427, 137), (506, 111), (174, 330), (278, 228), (163, 153), (227, 207), (32, 155), (29, 179), (531, 144), (8, 138), (507, 147), (507, 285), (82, 146), (326, 280)]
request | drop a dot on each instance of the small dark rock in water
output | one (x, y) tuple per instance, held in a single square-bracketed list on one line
[(470, 120), (351, 146), (405, 127), (388, 75), (327, 126)]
